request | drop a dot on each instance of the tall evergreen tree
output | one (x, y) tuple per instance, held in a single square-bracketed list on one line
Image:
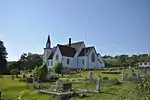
[(3, 56)]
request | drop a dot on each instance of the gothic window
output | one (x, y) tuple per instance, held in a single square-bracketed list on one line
[(57, 57), (83, 62), (47, 63), (93, 57), (68, 60)]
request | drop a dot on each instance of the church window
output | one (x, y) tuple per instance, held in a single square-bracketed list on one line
[(47, 63), (93, 57), (83, 62), (51, 63), (57, 57), (68, 60)]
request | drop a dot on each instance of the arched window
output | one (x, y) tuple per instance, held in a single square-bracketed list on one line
[(68, 61), (93, 57), (57, 57)]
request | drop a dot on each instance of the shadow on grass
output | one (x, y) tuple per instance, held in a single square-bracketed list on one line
[(109, 93)]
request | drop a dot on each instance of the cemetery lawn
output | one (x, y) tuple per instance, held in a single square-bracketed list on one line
[(13, 88)]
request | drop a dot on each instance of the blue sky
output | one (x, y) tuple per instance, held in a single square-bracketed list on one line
[(112, 26)]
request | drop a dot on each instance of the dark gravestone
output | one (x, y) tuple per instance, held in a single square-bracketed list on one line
[(66, 86), (62, 97)]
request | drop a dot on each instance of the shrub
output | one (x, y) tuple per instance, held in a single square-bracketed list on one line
[(105, 78), (40, 72), (58, 67), (22, 79), (52, 78), (14, 72), (111, 72)]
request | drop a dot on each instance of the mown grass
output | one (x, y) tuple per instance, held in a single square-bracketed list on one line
[(12, 89)]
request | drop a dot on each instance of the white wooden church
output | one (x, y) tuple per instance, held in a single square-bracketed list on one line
[(72, 55)]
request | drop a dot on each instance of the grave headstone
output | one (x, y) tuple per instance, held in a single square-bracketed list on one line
[(129, 67), (66, 87), (142, 77), (125, 76), (23, 75), (90, 76), (58, 85), (147, 71), (98, 86)]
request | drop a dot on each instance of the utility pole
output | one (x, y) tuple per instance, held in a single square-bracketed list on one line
[(85, 52)]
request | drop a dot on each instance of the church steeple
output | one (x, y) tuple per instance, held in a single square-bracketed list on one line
[(48, 43)]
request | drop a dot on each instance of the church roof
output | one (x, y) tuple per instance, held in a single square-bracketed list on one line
[(51, 55), (86, 51), (71, 51), (67, 51), (76, 45)]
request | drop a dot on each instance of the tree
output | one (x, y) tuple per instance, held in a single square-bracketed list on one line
[(58, 67), (43, 70), (29, 61), (35, 72), (3, 56), (14, 65), (14, 72), (40, 72)]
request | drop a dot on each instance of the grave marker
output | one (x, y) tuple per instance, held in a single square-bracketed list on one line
[(58, 85), (98, 86), (90, 76)]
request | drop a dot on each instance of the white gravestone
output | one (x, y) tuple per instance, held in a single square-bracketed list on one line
[(129, 67), (98, 86), (58, 85), (123, 75), (90, 76)]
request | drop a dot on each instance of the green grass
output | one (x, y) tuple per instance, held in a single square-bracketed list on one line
[(13, 88)]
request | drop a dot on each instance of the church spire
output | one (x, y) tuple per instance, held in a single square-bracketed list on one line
[(48, 43), (48, 39)]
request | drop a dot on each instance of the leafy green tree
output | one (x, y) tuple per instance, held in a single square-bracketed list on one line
[(58, 68), (43, 70), (3, 56), (14, 65), (35, 72), (40, 72), (14, 72), (29, 61), (125, 60)]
